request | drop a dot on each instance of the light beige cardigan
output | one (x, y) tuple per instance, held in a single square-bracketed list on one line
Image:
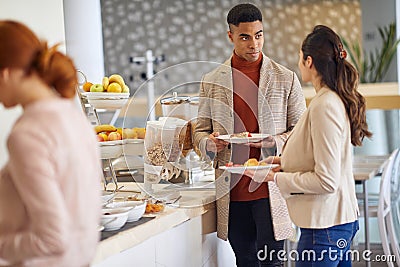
[(317, 181)]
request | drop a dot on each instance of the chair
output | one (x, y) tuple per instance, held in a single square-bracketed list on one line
[(368, 168), (388, 208), (394, 222)]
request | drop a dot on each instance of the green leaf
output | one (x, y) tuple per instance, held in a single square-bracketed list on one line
[(373, 67)]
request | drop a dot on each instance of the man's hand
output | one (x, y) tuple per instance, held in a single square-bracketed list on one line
[(265, 143), (214, 144)]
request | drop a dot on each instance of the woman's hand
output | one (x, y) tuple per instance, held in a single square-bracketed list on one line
[(264, 175)]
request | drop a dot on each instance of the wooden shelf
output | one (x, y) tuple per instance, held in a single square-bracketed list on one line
[(378, 95)]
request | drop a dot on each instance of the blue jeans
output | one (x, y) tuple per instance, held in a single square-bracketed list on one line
[(328, 247)]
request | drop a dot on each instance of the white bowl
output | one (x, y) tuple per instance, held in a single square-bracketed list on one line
[(109, 104), (106, 197), (105, 95), (139, 207), (111, 149), (114, 219)]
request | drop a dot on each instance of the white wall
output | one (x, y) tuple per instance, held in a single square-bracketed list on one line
[(46, 19), (378, 14), (83, 33)]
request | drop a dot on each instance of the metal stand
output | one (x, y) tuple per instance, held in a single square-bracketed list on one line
[(109, 172), (150, 61)]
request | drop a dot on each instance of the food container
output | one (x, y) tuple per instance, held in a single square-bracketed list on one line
[(161, 142), (186, 108), (176, 106)]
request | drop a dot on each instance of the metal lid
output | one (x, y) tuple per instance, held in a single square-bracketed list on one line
[(194, 100), (175, 99)]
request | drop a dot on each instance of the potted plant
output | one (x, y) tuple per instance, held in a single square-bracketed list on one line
[(372, 67)]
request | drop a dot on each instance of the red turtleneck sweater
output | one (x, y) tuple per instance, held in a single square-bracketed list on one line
[(246, 77)]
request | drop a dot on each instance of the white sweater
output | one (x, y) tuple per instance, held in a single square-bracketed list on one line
[(50, 201)]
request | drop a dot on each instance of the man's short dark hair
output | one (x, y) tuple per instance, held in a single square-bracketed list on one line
[(243, 13)]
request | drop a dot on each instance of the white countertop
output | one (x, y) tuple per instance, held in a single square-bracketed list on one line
[(194, 202)]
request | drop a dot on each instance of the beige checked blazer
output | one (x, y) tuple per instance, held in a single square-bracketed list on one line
[(280, 105)]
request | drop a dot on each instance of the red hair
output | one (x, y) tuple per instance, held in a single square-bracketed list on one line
[(21, 48)]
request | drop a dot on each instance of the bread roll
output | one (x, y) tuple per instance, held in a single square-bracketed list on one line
[(251, 162)]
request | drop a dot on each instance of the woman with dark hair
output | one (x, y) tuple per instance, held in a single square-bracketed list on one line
[(50, 201), (319, 186)]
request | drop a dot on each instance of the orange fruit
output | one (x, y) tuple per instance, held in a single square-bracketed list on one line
[(86, 86)]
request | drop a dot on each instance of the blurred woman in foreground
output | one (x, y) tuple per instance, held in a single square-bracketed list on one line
[(50, 187)]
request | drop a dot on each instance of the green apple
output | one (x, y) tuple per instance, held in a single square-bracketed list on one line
[(96, 88)]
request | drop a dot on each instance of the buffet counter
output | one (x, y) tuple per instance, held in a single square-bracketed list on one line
[(181, 235)]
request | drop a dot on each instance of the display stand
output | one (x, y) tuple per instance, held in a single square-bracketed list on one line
[(109, 175)]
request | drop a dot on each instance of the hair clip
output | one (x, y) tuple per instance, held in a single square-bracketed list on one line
[(343, 54)]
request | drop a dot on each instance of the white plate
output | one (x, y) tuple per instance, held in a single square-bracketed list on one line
[(241, 169), (255, 137), (105, 95)]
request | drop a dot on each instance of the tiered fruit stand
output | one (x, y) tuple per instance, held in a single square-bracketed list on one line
[(92, 103)]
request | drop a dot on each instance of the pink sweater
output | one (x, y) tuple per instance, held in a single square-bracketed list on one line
[(50, 191)]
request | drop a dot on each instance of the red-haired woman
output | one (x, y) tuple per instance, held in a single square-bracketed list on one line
[(50, 201)]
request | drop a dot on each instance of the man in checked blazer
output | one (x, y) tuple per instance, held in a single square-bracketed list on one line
[(248, 93)]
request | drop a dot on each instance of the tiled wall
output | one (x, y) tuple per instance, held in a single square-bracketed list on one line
[(193, 30)]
